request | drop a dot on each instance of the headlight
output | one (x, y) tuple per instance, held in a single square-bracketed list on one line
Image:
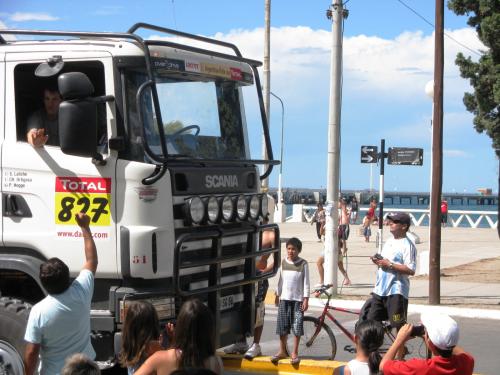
[(254, 207), (227, 208), (213, 210), (241, 207), (264, 205), (196, 210)]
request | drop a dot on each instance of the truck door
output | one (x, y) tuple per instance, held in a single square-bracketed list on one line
[(43, 188), (2, 128)]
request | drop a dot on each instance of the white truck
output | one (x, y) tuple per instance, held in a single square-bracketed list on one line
[(153, 145)]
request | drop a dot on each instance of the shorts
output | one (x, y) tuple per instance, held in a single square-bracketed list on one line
[(343, 232), (260, 313), (262, 287), (367, 232), (444, 218), (260, 303), (290, 318), (393, 308)]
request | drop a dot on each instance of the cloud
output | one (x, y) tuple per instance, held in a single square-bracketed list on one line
[(23, 17), (395, 68), (455, 154)]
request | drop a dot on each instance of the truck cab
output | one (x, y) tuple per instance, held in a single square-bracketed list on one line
[(153, 144)]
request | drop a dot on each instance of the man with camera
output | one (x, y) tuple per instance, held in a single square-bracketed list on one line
[(441, 337), (397, 261)]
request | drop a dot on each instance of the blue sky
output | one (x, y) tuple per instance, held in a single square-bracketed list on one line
[(388, 59)]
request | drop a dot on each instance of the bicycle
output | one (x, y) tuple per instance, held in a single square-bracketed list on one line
[(319, 341)]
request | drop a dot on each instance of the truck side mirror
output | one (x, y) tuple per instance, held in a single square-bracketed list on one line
[(77, 115)]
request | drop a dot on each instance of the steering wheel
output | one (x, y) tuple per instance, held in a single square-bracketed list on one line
[(185, 129), (176, 145)]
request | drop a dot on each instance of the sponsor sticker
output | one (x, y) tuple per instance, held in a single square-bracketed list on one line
[(147, 193), (169, 64), (91, 195), (193, 66), (236, 74), (216, 70)]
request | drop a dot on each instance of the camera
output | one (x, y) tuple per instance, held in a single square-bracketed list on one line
[(417, 330), (378, 256)]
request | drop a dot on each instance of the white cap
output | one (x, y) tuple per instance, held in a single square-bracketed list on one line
[(441, 329)]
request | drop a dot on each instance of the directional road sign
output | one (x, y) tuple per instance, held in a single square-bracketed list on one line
[(405, 156), (369, 154)]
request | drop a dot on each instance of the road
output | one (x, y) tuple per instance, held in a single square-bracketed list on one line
[(481, 337)]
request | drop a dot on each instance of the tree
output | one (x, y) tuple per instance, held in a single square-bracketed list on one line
[(484, 75)]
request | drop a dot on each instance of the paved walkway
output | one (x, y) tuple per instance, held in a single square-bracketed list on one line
[(458, 246)]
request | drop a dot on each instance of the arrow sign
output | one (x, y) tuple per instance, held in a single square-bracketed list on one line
[(369, 154), (405, 156)]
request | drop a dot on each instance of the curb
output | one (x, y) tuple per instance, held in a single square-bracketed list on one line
[(264, 364), (462, 312)]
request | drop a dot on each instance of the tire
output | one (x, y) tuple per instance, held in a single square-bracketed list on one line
[(323, 346), (14, 315), (415, 347)]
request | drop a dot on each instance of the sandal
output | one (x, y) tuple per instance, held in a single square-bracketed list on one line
[(295, 361), (276, 358)]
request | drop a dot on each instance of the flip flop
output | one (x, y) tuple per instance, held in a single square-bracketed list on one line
[(276, 358)]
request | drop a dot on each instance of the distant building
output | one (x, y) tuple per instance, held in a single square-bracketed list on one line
[(484, 191)]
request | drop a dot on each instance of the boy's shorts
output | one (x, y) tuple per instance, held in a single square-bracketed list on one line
[(367, 232), (343, 232), (290, 318)]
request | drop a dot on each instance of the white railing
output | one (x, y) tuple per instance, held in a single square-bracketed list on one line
[(456, 218)]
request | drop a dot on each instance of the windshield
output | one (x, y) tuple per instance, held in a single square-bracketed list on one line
[(202, 119)]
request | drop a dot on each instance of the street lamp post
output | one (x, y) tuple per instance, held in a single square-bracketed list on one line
[(280, 212), (424, 258)]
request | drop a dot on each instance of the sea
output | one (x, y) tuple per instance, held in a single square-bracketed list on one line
[(451, 207)]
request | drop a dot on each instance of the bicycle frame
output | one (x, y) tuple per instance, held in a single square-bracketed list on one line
[(327, 313), (333, 319)]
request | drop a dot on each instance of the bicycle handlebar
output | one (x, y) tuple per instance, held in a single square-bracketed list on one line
[(323, 289)]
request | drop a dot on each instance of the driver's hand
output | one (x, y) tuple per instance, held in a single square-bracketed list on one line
[(37, 137)]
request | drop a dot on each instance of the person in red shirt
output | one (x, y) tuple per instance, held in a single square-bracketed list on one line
[(371, 211), (441, 337), (444, 213)]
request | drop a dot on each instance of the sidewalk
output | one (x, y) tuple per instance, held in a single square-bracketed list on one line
[(474, 298)]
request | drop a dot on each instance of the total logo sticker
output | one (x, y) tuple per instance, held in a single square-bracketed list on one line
[(90, 195)]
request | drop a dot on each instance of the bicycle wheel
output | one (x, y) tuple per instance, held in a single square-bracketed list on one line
[(316, 343), (415, 347)]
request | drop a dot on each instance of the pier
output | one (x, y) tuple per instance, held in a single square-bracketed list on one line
[(312, 196)]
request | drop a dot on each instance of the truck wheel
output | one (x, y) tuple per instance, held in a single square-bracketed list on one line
[(14, 315)]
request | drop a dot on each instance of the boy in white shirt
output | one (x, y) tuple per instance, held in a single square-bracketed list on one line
[(292, 299)]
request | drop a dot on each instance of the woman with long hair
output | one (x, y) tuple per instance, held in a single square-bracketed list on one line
[(193, 346), (140, 335)]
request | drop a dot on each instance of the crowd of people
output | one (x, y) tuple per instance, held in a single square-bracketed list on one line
[(58, 329)]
